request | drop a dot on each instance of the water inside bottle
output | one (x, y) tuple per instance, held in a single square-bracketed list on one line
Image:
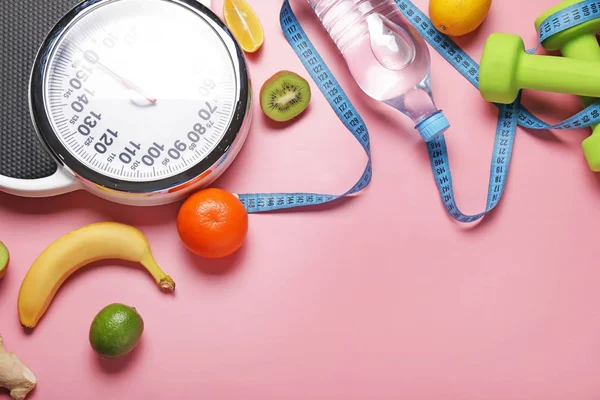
[(390, 44), (387, 57)]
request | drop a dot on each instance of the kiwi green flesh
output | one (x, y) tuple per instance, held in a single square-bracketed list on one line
[(285, 97), (4, 257)]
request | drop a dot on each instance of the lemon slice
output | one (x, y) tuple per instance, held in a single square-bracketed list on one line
[(244, 24)]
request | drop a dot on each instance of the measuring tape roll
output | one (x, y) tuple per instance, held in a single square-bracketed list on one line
[(510, 115)]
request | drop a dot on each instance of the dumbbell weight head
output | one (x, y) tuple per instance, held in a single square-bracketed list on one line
[(499, 66)]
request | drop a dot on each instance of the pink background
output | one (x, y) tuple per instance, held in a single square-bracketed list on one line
[(380, 297)]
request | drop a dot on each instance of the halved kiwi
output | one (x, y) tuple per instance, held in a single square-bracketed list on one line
[(4, 258), (284, 96)]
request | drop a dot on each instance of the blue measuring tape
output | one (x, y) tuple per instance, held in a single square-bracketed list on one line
[(333, 92), (509, 117)]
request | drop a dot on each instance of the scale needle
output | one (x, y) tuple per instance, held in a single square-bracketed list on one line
[(127, 83)]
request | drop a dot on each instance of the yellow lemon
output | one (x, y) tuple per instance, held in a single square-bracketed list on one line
[(458, 17)]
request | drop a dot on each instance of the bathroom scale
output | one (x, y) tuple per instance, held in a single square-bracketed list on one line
[(137, 101)]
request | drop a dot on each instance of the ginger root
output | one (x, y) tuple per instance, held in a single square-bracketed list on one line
[(14, 375)]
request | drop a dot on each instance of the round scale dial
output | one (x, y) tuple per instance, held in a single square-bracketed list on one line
[(139, 90)]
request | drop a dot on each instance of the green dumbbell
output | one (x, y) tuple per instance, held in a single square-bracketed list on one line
[(579, 43), (506, 68)]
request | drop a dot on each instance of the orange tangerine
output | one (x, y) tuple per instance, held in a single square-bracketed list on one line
[(212, 223)]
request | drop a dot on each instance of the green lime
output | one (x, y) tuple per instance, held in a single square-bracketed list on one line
[(116, 330)]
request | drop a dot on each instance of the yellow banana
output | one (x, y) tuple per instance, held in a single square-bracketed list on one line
[(99, 241)]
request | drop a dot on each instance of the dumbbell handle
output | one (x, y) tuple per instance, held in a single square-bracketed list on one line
[(585, 47), (582, 48), (558, 74)]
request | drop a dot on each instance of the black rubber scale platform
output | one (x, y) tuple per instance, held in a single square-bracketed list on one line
[(23, 27)]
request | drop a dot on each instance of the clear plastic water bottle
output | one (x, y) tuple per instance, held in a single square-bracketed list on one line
[(387, 57)]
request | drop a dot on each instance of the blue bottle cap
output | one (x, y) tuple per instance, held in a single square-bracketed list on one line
[(433, 127)]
